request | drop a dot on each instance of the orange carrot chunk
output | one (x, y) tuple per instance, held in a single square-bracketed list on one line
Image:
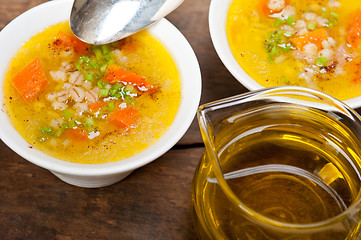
[(30, 81), (123, 117), (116, 74), (316, 37), (77, 134), (67, 41), (96, 106), (354, 32), (265, 9)]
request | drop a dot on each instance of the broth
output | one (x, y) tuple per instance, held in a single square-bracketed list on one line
[(279, 48), (87, 112)]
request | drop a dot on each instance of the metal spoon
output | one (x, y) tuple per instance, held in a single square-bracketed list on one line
[(105, 21)]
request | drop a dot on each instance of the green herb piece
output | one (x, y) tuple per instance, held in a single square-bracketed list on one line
[(113, 92), (78, 66), (288, 33), (89, 77), (321, 61), (98, 52), (286, 47), (42, 138), (278, 21), (59, 132), (103, 67), (118, 95), (332, 17), (311, 26), (127, 98), (64, 126), (274, 42), (71, 124), (47, 130), (101, 84), (104, 92), (130, 89), (324, 12), (105, 49), (290, 20), (117, 86), (275, 51), (89, 122), (108, 86), (66, 114), (111, 106), (333, 14)]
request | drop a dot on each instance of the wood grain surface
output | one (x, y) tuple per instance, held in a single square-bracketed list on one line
[(152, 203)]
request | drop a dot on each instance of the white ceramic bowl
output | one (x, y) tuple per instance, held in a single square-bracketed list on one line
[(217, 26), (21, 29)]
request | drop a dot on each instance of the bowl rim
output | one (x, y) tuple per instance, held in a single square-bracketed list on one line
[(49, 13), (217, 17)]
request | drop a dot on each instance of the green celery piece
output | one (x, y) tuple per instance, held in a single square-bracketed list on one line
[(117, 86), (104, 92), (98, 52), (101, 84), (321, 61), (103, 67), (89, 77), (118, 95), (105, 49), (113, 92)]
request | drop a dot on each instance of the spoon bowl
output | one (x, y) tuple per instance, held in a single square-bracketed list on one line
[(101, 22)]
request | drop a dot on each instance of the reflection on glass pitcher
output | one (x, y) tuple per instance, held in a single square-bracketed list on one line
[(280, 163)]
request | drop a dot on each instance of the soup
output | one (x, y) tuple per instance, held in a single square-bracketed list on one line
[(306, 43), (91, 103)]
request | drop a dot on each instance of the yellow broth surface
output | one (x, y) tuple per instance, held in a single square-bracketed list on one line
[(303, 43), (64, 120)]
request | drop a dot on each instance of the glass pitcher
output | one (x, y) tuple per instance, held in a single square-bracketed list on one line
[(280, 163)]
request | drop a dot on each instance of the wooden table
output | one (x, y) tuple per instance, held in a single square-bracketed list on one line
[(152, 203)]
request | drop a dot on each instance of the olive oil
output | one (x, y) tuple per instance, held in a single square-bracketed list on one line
[(289, 165)]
